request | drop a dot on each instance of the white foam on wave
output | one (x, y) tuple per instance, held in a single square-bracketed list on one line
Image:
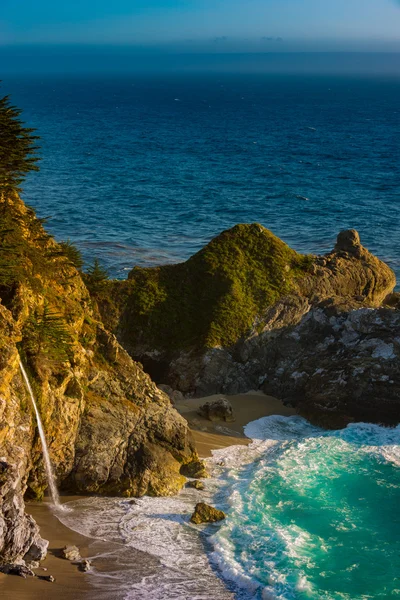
[(177, 567)]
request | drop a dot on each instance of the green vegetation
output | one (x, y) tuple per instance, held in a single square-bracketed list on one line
[(72, 254), (212, 299), (17, 148), (95, 278), (45, 335), (20, 259)]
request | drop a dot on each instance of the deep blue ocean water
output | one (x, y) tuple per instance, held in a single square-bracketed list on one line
[(143, 169)]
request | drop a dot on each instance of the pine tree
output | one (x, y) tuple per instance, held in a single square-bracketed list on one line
[(72, 254), (96, 277), (46, 334), (17, 148)]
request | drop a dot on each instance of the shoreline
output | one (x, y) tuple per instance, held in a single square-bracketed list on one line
[(72, 584), (213, 435)]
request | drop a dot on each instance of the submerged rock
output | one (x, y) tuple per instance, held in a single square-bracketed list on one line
[(204, 513), (219, 410), (85, 565)]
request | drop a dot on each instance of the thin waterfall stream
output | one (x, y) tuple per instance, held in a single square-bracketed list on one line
[(47, 463)]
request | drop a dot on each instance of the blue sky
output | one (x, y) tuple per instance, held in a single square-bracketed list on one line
[(205, 24)]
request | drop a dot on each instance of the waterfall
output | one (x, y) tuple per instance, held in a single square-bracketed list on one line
[(49, 469)]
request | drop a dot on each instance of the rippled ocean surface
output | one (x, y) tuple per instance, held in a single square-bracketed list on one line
[(145, 170), (311, 515)]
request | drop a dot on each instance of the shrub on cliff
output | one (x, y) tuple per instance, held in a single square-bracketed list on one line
[(45, 335), (71, 253), (95, 278), (17, 148)]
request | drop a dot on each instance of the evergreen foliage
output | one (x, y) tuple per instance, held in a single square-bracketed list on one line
[(23, 257), (46, 334), (17, 148), (96, 277), (71, 252)]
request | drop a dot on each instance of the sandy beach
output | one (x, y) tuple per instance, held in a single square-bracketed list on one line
[(246, 408), (71, 584)]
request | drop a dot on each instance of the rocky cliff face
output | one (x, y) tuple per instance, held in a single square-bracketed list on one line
[(334, 366), (109, 428), (18, 531)]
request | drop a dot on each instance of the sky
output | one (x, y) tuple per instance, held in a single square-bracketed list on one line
[(205, 25)]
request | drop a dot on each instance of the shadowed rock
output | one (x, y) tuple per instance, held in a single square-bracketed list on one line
[(219, 410)]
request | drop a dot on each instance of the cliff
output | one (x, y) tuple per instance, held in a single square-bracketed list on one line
[(109, 428)]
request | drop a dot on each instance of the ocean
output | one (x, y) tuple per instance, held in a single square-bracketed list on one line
[(312, 515), (143, 169)]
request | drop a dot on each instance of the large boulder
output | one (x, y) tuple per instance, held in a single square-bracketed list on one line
[(217, 410), (204, 513)]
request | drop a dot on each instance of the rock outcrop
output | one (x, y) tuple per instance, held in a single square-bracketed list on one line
[(204, 513), (257, 315), (109, 428), (335, 366), (218, 410)]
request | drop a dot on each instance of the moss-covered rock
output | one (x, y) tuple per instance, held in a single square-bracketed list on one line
[(246, 282), (212, 299), (196, 484), (195, 469)]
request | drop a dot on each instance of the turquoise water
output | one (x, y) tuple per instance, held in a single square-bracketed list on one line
[(315, 514), (311, 515)]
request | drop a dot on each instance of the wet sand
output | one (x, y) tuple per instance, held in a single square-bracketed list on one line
[(246, 408), (71, 584)]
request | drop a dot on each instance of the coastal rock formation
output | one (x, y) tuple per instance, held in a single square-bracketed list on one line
[(109, 428), (204, 513), (335, 366), (247, 312)]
